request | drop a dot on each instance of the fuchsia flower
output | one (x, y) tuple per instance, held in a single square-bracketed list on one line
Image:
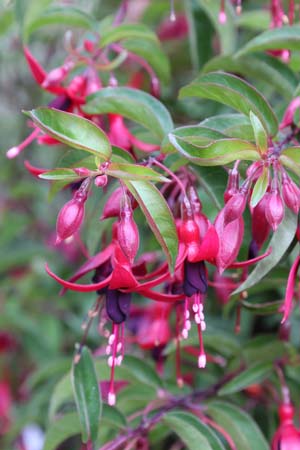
[(287, 436)]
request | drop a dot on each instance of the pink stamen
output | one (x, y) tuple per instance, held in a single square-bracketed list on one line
[(15, 151)]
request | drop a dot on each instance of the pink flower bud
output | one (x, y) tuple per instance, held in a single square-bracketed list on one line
[(112, 205), (274, 209), (57, 75), (71, 215), (235, 207), (288, 118), (232, 185), (101, 181), (128, 233), (82, 171), (260, 225), (177, 29), (89, 45), (290, 193), (254, 171)]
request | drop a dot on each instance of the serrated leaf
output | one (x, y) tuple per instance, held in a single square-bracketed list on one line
[(133, 104), (127, 31), (72, 130), (234, 92), (152, 53), (60, 15), (260, 187), (287, 37), (61, 174), (261, 137), (134, 172), (158, 215), (60, 430), (240, 425), (217, 153), (280, 242), (254, 374), (186, 426), (262, 67), (290, 158), (87, 395)]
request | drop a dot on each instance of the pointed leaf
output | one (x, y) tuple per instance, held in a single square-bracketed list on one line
[(260, 188), (217, 153), (128, 31), (158, 215), (60, 430), (72, 130), (261, 137), (290, 158), (87, 395), (234, 92), (254, 374), (262, 67), (133, 104), (287, 37), (240, 425), (134, 172), (61, 174), (186, 426), (232, 125), (280, 242)]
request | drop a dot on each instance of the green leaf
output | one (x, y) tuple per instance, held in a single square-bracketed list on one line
[(254, 374), (61, 174), (226, 31), (72, 130), (240, 426), (187, 427), (195, 133), (279, 243), (62, 16), (260, 67), (141, 371), (261, 137), (256, 19), (153, 54), (290, 158), (128, 31), (287, 37), (232, 125), (217, 153), (234, 92), (133, 104), (264, 308), (134, 172), (60, 430), (158, 215), (87, 395), (260, 187), (111, 415), (30, 13)]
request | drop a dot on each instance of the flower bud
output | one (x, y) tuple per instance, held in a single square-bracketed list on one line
[(112, 205), (232, 185), (101, 181), (57, 75), (71, 215), (260, 225), (235, 207), (82, 171), (274, 209), (128, 234), (290, 193), (287, 436)]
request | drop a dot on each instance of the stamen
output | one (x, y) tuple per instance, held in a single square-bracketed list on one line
[(15, 151), (172, 11)]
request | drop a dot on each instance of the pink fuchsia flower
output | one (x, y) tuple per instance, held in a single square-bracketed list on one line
[(287, 436)]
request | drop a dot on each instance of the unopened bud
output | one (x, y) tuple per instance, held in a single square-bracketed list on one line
[(112, 205), (57, 75), (82, 171), (235, 207), (128, 233), (232, 185), (101, 181), (274, 209), (71, 215), (290, 193)]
